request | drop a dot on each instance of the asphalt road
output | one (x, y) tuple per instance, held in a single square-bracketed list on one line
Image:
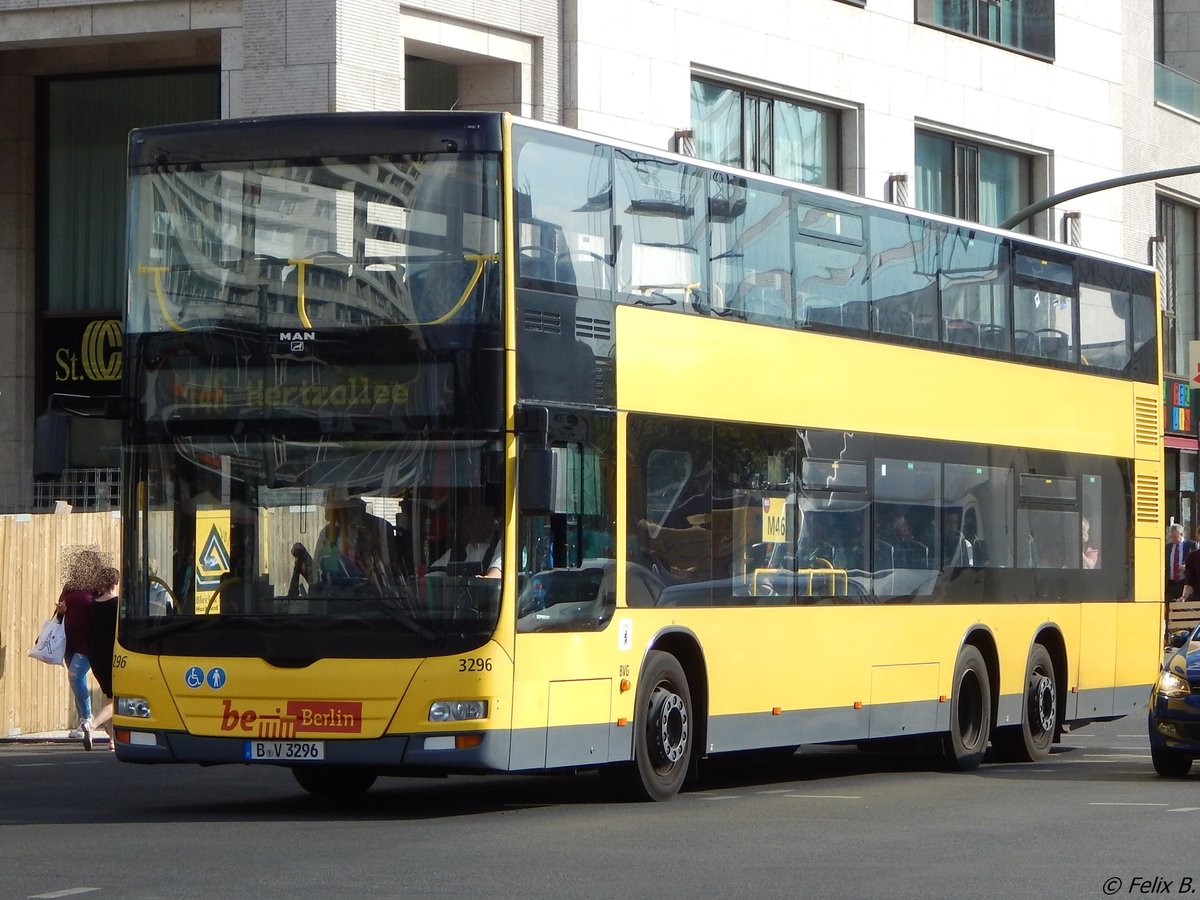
[(1092, 821)]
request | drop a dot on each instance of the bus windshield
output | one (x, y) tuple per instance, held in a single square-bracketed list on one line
[(300, 246), (341, 547)]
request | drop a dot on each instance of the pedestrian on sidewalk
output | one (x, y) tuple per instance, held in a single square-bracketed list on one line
[(82, 568), (101, 638)]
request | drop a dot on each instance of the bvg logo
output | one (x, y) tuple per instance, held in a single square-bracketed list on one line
[(299, 717), (99, 354)]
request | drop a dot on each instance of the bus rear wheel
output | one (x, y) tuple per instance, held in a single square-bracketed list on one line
[(662, 731), (1030, 741), (970, 712), (334, 781)]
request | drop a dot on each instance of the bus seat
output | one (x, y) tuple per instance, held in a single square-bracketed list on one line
[(815, 314), (885, 555), (1053, 344), (855, 314), (961, 331), (993, 337), (894, 321), (1026, 342)]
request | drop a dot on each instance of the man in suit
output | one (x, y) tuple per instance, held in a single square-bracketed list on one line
[(1178, 549)]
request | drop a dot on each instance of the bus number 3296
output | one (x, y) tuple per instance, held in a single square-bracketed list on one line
[(475, 664)]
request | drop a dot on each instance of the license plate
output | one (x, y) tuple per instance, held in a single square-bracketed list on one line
[(297, 750)]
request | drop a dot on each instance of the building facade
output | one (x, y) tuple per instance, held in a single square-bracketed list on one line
[(975, 108)]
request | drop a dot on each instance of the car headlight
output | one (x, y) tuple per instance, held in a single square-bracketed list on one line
[(457, 710), (1171, 685), (137, 707)]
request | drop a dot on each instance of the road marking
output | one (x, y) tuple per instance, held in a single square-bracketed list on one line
[(63, 893), (1114, 756), (777, 791), (824, 797), (722, 797), (1185, 809), (1095, 803), (33, 765)]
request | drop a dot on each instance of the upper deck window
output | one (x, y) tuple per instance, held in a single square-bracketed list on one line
[(303, 246)]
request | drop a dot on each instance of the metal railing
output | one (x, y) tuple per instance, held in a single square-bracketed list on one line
[(77, 489)]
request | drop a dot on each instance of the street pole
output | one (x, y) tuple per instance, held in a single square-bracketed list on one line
[(1034, 208)]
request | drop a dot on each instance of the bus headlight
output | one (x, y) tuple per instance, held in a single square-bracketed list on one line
[(137, 707), (457, 710), (1171, 685)]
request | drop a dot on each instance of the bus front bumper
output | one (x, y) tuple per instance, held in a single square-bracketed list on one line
[(421, 753)]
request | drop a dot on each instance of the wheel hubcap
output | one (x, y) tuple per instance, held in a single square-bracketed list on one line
[(1043, 705), (670, 733)]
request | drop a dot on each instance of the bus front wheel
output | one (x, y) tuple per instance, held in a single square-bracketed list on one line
[(970, 712), (662, 730), (334, 781), (1030, 741)]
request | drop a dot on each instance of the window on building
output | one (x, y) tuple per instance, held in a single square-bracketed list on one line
[(1177, 229), (1176, 63), (970, 180), (764, 133), (429, 84), (88, 121), (1025, 25), (81, 287)]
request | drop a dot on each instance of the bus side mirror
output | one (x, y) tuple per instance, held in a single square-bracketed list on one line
[(535, 467), (535, 480)]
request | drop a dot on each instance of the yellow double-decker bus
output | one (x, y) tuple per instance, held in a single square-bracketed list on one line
[(461, 443)]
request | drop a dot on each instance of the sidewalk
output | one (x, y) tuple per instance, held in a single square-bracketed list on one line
[(49, 737)]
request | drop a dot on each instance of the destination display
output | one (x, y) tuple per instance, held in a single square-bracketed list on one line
[(202, 388)]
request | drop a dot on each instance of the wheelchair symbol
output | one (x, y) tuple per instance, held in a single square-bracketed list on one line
[(194, 677)]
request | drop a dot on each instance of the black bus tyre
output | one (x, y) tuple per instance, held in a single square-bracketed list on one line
[(662, 730), (1030, 741), (334, 781), (970, 712), (1170, 764)]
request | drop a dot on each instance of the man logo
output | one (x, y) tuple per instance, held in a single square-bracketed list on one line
[(296, 339)]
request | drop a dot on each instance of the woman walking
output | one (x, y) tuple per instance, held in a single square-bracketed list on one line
[(82, 576)]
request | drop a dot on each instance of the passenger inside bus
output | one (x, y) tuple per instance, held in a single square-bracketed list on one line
[(479, 551), (353, 550)]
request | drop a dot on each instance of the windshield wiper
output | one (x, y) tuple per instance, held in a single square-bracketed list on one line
[(411, 622)]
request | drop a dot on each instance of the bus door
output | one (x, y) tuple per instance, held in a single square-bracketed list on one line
[(568, 582)]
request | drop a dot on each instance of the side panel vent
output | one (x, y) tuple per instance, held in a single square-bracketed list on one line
[(587, 328), (1145, 499), (542, 321), (1146, 424)]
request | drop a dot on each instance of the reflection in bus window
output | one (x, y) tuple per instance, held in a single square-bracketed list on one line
[(660, 217), (564, 215), (973, 281), (749, 227), (978, 527), (831, 262), (1104, 318), (907, 522), (903, 276)]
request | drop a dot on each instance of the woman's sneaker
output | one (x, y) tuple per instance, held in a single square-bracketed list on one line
[(87, 735), (76, 733)]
